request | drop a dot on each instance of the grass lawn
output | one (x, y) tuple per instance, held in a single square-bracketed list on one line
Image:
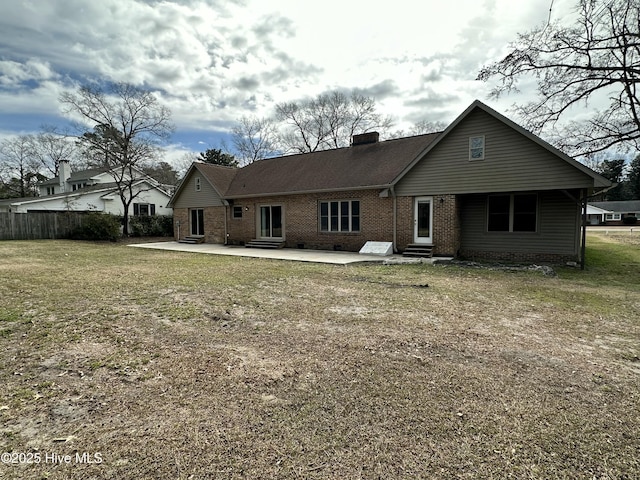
[(173, 365)]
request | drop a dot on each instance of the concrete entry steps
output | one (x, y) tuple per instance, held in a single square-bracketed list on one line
[(268, 244), (192, 239), (418, 250)]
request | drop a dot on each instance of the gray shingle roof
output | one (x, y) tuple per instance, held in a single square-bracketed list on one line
[(619, 206), (77, 176), (219, 176), (357, 167)]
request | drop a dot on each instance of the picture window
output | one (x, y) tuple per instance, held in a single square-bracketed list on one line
[(512, 213)]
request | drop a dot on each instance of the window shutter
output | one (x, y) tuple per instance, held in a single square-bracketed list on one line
[(152, 209), (136, 209)]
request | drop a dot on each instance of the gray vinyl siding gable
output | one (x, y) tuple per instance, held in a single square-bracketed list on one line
[(557, 227), (512, 162), (188, 197)]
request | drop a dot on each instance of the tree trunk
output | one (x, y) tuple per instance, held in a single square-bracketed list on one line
[(125, 219)]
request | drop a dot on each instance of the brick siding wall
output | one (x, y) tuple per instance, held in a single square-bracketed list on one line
[(301, 220), (376, 216), (518, 257), (180, 217), (446, 224), (213, 223)]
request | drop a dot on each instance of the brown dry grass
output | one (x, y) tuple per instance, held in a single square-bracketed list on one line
[(174, 365)]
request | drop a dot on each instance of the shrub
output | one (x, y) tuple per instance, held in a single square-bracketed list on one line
[(151, 226), (97, 226), (630, 220)]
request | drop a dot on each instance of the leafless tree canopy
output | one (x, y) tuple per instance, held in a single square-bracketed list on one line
[(420, 128), (254, 139), (327, 121), (131, 119), (594, 62), (49, 146), (19, 171)]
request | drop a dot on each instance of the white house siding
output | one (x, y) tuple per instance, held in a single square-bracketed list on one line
[(96, 201)]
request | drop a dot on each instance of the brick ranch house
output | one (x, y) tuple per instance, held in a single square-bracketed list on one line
[(484, 188)]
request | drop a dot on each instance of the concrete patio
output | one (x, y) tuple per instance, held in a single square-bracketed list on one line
[(298, 255)]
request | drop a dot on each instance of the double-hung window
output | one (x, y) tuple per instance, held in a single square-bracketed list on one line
[(144, 209), (476, 148), (340, 216), (517, 212)]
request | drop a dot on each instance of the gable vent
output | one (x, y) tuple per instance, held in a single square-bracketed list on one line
[(365, 138)]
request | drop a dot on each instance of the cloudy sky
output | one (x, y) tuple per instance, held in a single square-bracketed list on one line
[(213, 61)]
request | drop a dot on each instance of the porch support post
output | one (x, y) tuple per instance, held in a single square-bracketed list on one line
[(583, 246)]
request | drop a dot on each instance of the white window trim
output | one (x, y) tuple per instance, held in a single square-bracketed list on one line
[(198, 184), (613, 216), (350, 216)]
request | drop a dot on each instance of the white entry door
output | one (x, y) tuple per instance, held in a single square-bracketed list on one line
[(423, 220)]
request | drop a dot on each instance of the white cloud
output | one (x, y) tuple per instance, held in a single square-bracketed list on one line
[(212, 61)]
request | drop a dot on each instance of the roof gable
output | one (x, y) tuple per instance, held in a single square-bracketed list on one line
[(516, 159), (216, 180)]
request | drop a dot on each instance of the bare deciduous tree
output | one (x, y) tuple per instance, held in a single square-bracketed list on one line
[(420, 128), (19, 172), (596, 61), (49, 146), (254, 139), (123, 127), (327, 121)]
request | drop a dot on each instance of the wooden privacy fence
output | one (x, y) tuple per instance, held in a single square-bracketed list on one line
[(38, 225)]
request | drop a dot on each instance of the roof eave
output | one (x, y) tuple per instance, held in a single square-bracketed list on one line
[(307, 192)]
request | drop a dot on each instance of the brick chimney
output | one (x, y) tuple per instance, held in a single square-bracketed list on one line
[(64, 173), (365, 138)]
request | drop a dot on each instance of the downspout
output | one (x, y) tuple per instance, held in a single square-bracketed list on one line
[(226, 212), (395, 218)]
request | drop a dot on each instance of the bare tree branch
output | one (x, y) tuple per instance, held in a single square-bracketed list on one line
[(594, 62)]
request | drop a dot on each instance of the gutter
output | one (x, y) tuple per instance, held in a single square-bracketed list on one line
[(306, 192)]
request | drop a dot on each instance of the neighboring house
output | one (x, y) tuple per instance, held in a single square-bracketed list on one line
[(91, 190), (614, 212), (596, 215), (484, 188)]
